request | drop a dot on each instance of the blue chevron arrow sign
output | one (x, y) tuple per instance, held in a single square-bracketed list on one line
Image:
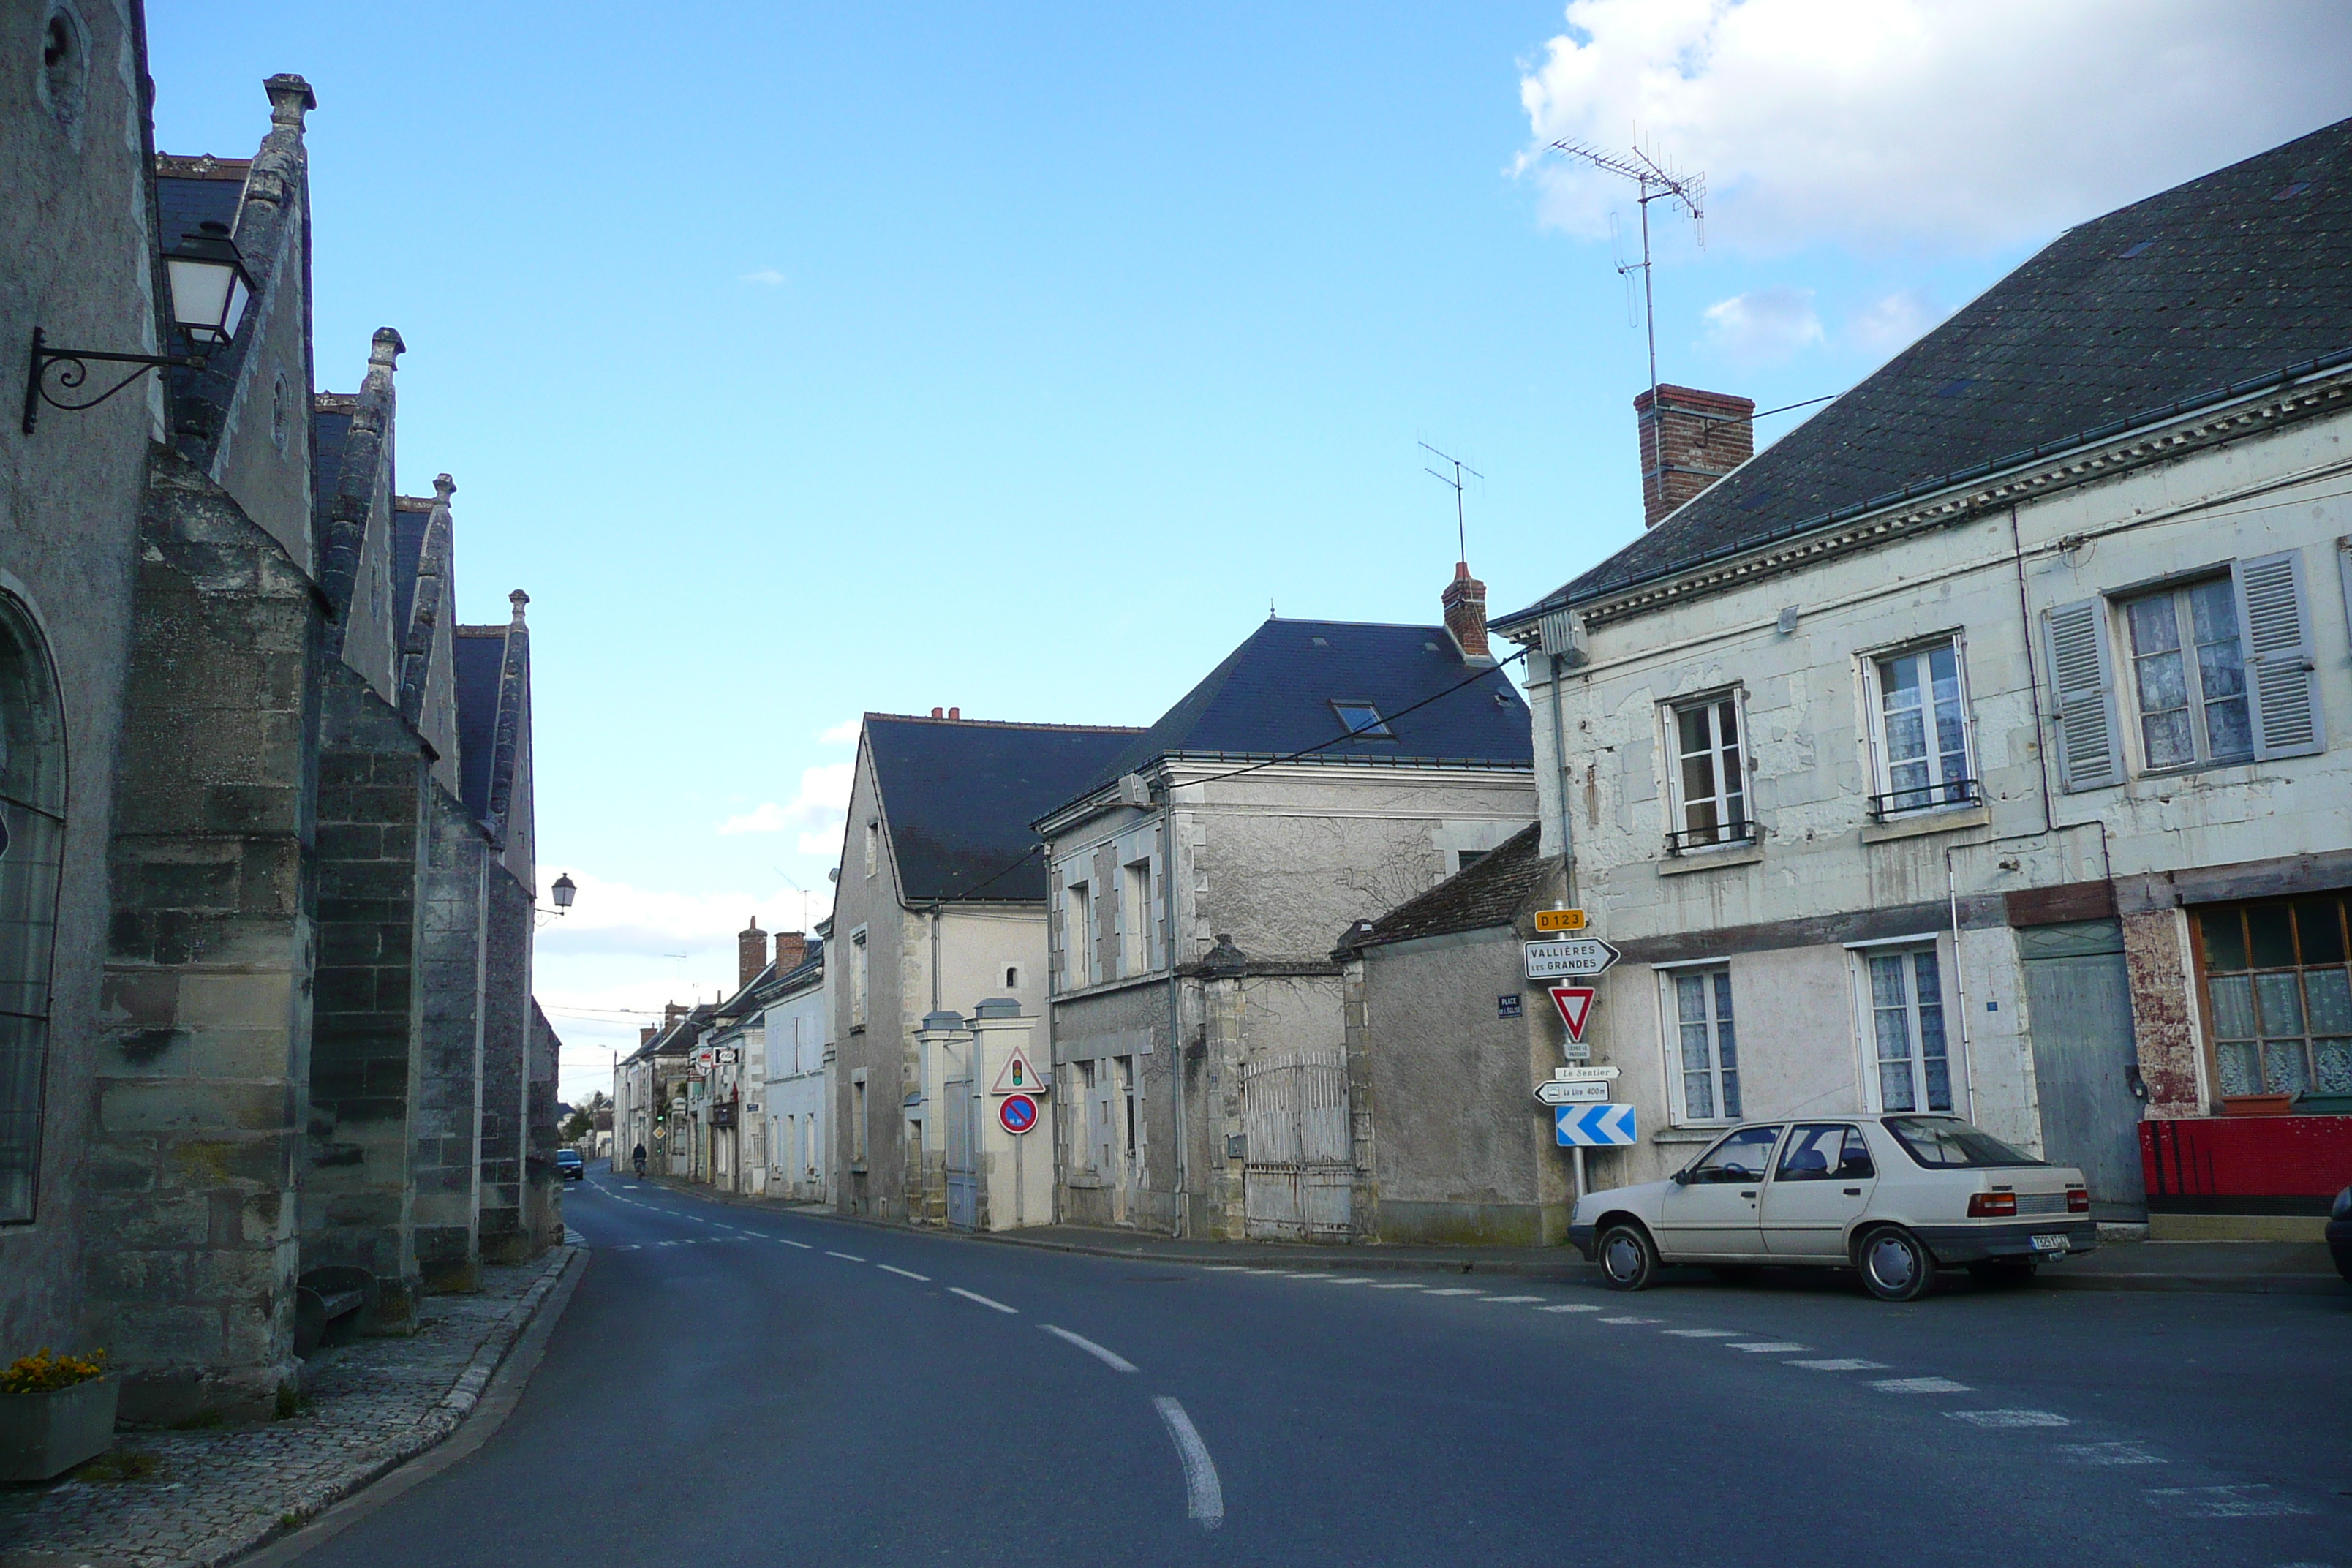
[(1593, 1126)]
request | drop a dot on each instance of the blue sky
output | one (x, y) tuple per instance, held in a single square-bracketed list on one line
[(800, 360)]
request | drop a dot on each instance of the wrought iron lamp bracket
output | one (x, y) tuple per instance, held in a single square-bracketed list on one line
[(72, 372)]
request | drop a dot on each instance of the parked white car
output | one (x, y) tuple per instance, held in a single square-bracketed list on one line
[(1897, 1198)]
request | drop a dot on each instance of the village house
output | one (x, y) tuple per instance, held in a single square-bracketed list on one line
[(1980, 746), (799, 1094), (268, 805), (940, 906), (1324, 772)]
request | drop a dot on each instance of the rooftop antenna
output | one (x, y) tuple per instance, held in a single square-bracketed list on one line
[(1461, 527), (1653, 183)]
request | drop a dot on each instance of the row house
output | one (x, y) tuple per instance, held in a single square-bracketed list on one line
[(798, 1093), (266, 815), (1980, 747), (1324, 772)]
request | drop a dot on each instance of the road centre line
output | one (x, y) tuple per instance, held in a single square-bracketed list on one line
[(1629, 1321), (1768, 1347), (804, 1245), (1205, 1500), (893, 1268), (2007, 1418), (1919, 1386), (976, 1296), (1457, 1291), (1492, 1300), (1701, 1333), (1109, 1358), (1358, 1279), (2108, 1453), (1402, 1285), (1571, 1307), (1839, 1364), (850, 1255)]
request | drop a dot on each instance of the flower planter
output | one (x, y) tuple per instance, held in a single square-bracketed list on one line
[(46, 1435)]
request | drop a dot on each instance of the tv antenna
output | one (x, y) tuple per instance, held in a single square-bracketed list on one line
[(1461, 527), (1654, 182)]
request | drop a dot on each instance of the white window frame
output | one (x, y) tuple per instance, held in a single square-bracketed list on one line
[(1135, 921), (1867, 1059), (2128, 657), (873, 847), (1669, 1026), (1738, 832), (1882, 759), (860, 979), (1077, 935)]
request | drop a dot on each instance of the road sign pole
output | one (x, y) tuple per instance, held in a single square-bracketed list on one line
[(1578, 1152)]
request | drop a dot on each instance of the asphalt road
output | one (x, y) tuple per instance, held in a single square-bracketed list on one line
[(730, 1386)]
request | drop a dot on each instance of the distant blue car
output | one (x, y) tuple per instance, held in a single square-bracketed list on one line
[(569, 1165)]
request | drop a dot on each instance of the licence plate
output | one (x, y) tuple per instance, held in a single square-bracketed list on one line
[(2050, 1244)]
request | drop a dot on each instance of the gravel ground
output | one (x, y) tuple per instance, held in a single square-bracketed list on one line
[(217, 1493)]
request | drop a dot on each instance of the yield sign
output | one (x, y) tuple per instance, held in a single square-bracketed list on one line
[(1575, 1005)]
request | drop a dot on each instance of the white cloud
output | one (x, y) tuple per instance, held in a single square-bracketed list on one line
[(817, 810), (1886, 326), (1944, 123), (844, 733), (1766, 324), (767, 276)]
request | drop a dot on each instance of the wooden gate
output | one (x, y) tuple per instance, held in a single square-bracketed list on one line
[(1298, 1167), (963, 1148)]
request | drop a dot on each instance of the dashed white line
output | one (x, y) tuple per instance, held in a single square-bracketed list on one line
[(850, 1255), (1919, 1386), (1701, 1333), (1359, 1279), (1571, 1307), (1629, 1321), (1205, 1500), (2224, 1502), (1492, 1300), (893, 1268), (976, 1296), (1109, 1358), (1457, 1291), (804, 1245), (1768, 1347), (2003, 1418), (1399, 1285), (1839, 1364), (2108, 1453)]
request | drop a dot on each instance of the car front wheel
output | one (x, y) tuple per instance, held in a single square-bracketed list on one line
[(1896, 1265), (1629, 1260)]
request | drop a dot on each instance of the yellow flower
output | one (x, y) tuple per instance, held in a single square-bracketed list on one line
[(42, 1372)]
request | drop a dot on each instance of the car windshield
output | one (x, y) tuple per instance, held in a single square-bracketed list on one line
[(1947, 1144)]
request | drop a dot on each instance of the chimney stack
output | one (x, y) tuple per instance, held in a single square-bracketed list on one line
[(1690, 440), (955, 712), (791, 950), (939, 712), (751, 952), (672, 1012), (1465, 615), (645, 1033)]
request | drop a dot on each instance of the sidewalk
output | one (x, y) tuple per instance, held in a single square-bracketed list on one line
[(2260, 1268), (214, 1494)]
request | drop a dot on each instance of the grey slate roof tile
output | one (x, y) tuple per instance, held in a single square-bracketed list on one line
[(2238, 275), (1491, 891)]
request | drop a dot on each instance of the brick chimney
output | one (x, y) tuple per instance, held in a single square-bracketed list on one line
[(672, 1012), (645, 1033), (791, 950), (1465, 615), (751, 952), (1692, 439)]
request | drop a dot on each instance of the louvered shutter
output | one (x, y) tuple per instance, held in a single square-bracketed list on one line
[(2090, 743), (2275, 620)]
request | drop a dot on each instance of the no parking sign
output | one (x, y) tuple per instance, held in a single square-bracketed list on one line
[(1016, 1114)]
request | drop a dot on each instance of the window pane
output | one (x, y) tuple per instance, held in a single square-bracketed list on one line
[(1945, 1142), (2284, 1068), (1906, 736), (2214, 612), (1695, 1048), (1690, 997), (2233, 1007), (2319, 926), (2228, 729), (1730, 1094), (2241, 1067), (1698, 1096), (2272, 933), (1886, 983), (2220, 671), (21, 1041), (2170, 742), (1857, 1162), (2328, 994), (2331, 1064), (2225, 940), (2278, 1000), (1692, 721), (2154, 627)]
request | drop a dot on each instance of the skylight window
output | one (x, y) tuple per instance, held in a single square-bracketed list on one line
[(1363, 720)]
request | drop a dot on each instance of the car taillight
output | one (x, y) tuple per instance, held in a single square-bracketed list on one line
[(1992, 1205), (2078, 1200)]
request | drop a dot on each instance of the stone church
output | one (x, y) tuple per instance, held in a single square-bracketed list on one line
[(267, 1043)]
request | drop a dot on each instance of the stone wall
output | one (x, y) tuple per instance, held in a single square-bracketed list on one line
[(505, 1030), (445, 1117)]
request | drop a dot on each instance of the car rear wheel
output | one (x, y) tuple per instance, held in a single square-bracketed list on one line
[(2003, 1270), (1896, 1265), (1629, 1259)]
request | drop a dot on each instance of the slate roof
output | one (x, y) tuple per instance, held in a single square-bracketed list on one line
[(182, 203), (1491, 891), (409, 517), (2228, 279), (480, 663), (1273, 695), (958, 797), (331, 428)]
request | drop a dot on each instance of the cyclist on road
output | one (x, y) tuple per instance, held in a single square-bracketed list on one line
[(638, 1160)]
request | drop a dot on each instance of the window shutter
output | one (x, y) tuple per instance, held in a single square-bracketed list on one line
[(2275, 620), (2090, 748)]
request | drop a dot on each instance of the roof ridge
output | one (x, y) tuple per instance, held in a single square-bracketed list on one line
[(1007, 725)]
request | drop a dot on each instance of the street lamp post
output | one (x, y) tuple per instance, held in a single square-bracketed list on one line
[(210, 289)]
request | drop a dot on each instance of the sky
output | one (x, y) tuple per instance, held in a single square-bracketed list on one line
[(803, 361)]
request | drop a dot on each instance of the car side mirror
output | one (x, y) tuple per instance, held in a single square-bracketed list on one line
[(1682, 1178)]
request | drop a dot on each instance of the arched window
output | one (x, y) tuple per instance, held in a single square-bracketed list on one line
[(32, 838)]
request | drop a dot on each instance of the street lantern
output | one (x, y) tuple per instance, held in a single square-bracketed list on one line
[(210, 289), (565, 890), (210, 286)]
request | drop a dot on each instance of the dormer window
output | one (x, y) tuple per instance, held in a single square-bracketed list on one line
[(1362, 721)]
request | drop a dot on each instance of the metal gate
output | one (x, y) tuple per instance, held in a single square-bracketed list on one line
[(963, 1161), (2078, 1008), (1299, 1168)]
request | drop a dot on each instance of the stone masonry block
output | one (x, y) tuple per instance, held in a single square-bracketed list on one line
[(178, 1106), (236, 1001)]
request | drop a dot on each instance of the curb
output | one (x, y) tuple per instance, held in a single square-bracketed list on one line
[(1569, 1269), (482, 1396)]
